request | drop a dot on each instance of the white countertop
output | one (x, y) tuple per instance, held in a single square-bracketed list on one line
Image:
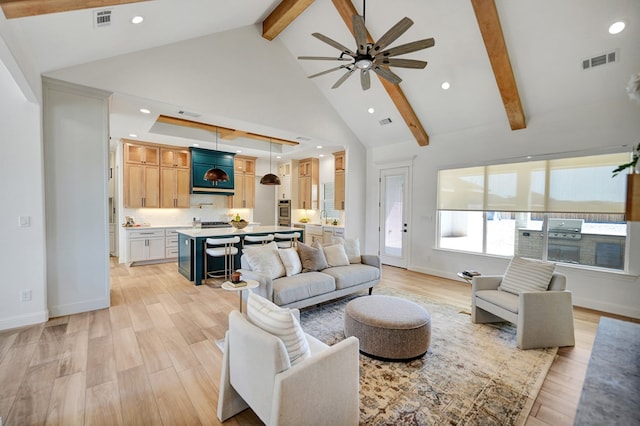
[(327, 225), (251, 229), (137, 228)]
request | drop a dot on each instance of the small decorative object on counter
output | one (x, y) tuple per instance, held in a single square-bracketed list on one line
[(239, 223), (129, 222), (236, 277)]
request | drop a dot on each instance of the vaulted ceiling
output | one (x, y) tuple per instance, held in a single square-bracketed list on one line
[(506, 62)]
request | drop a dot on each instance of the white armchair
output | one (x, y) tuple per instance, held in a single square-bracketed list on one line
[(543, 318), (256, 372)]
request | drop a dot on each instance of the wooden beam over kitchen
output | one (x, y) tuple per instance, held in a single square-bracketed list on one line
[(489, 23), (284, 14), (225, 132), (347, 10), (21, 8)]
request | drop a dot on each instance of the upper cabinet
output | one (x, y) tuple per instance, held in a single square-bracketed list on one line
[(288, 189), (245, 183), (339, 178), (179, 158), (203, 160), (308, 182), (137, 153)]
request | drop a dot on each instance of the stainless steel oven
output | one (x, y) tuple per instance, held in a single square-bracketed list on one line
[(284, 212)]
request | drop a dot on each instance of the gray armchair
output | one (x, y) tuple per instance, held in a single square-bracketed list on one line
[(320, 390), (543, 318)]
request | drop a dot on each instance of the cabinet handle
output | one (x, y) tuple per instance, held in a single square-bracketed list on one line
[(342, 205)]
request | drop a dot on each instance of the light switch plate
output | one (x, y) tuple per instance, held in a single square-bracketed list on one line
[(24, 221)]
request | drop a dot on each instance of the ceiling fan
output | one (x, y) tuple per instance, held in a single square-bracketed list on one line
[(372, 56)]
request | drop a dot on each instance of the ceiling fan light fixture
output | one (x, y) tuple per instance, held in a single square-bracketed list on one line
[(364, 64)]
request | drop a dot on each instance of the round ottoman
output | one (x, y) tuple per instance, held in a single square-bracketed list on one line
[(388, 327)]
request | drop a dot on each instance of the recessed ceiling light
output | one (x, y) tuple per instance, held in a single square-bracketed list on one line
[(145, 111), (196, 144), (238, 151), (445, 85), (371, 110), (319, 146), (278, 156), (137, 19), (616, 27), (321, 155), (133, 135)]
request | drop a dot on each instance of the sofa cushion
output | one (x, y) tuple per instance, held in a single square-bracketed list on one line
[(351, 247), (527, 275), (265, 259), (301, 286), (290, 260), (352, 275), (312, 258), (505, 300), (281, 323), (335, 255)]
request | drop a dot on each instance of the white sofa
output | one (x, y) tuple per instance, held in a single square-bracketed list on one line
[(322, 389), (310, 288)]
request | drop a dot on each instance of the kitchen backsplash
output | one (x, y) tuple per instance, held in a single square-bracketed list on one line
[(206, 207)]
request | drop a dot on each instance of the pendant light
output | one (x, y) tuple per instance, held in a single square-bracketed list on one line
[(270, 178), (215, 174)]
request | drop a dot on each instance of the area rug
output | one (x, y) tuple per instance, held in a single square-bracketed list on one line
[(472, 374)]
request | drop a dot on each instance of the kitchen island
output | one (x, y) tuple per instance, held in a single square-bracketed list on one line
[(191, 246)]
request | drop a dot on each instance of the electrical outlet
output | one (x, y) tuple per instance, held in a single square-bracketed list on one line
[(25, 296), (24, 221)]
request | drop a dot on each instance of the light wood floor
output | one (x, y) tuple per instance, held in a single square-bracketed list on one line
[(151, 358)]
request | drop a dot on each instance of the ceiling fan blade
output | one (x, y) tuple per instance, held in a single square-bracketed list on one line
[(327, 71), (407, 48), (360, 33), (324, 58), (392, 35), (402, 63), (365, 79), (334, 43), (342, 79), (387, 74)]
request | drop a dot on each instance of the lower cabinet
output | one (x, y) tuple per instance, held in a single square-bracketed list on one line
[(151, 245)]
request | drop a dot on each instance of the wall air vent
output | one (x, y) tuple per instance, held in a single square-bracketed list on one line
[(101, 18), (602, 59), (385, 121), (188, 113), (303, 138)]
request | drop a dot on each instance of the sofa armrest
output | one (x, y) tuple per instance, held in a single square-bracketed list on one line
[(371, 259), (333, 374), (545, 319), (265, 289), (485, 282)]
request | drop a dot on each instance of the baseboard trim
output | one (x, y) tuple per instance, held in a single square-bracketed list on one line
[(76, 308), (24, 320)]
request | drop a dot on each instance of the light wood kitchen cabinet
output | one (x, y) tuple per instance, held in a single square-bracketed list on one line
[(179, 158), (175, 187), (308, 182), (141, 186), (245, 183), (139, 153), (339, 180)]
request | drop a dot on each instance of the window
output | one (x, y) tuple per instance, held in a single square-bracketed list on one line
[(566, 210)]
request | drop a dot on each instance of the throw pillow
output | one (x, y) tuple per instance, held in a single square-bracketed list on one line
[(351, 247), (312, 258), (291, 261), (281, 323), (265, 259), (335, 254), (527, 275)]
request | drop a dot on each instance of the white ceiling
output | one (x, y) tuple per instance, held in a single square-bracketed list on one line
[(546, 39)]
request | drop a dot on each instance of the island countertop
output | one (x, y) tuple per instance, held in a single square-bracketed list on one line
[(222, 232)]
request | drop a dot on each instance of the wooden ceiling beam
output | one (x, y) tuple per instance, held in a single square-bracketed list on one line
[(489, 23), (284, 14), (22, 8), (346, 10), (225, 132)]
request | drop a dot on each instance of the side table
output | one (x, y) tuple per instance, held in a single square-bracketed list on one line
[(467, 278), (250, 284)]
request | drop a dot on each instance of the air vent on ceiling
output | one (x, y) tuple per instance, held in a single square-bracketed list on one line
[(303, 138), (188, 113), (385, 121), (101, 18), (602, 59)]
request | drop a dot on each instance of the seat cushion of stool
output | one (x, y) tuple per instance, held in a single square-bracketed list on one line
[(221, 251)]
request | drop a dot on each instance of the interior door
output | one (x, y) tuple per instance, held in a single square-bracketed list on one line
[(394, 228)]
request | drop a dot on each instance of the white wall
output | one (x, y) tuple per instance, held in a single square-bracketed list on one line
[(584, 128), (22, 258), (76, 156)]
